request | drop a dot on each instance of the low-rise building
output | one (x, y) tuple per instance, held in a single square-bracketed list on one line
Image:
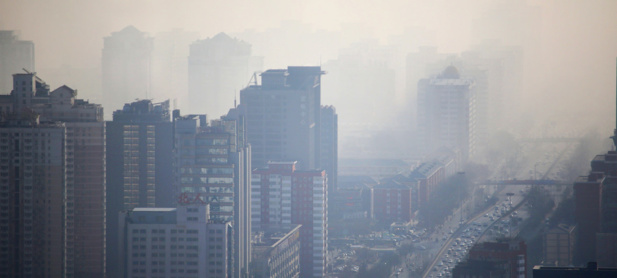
[(558, 245), (174, 242), (276, 252)]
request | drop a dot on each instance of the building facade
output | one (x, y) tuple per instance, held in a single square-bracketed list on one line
[(591, 271), (276, 252), (170, 242), (446, 113), (212, 166), (34, 169), (512, 253), (329, 145), (393, 201), (595, 198), (480, 269), (282, 195), (84, 189), (139, 164), (558, 245), (283, 117), (587, 212)]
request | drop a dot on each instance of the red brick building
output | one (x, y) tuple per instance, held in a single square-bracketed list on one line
[(392, 201)]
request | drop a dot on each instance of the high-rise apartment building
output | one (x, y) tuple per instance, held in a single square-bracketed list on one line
[(282, 195), (34, 169), (283, 118), (84, 189), (219, 67), (126, 67), (446, 113), (212, 166), (15, 55), (139, 165), (174, 242)]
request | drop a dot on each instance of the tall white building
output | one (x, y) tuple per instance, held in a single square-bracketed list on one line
[(282, 195), (174, 242), (446, 113)]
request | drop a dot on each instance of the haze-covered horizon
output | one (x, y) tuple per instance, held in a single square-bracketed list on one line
[(568, 47)]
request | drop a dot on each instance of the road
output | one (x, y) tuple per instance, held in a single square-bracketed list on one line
[(495, 221)]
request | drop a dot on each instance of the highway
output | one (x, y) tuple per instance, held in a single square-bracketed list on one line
[(495, 221)]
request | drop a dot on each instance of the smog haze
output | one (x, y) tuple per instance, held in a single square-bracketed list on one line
[(565, 49)]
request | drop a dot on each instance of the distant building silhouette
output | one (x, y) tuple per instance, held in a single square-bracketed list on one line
[(170, 70), (365, 73), (139, 165), (212, 165), (126, 67), (446, 113), (15, 55), (61, 205), (219, 67)]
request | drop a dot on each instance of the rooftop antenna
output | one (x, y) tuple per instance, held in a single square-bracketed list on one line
[(614, 137)]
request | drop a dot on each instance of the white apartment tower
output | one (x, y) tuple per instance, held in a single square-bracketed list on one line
[(446, 113)]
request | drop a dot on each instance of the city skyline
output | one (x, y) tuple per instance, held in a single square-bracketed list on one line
[(313, 139)]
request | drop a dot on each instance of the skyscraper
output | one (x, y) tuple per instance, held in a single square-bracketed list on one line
[(283, 116), (33, 173), (446, 113), (15, 55), (282, 195), (139, 165), (212, 166), (218, 68), (126, 66), (83, 192)]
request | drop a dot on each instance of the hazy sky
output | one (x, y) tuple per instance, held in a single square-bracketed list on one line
[(570, 51), (58, 25)]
